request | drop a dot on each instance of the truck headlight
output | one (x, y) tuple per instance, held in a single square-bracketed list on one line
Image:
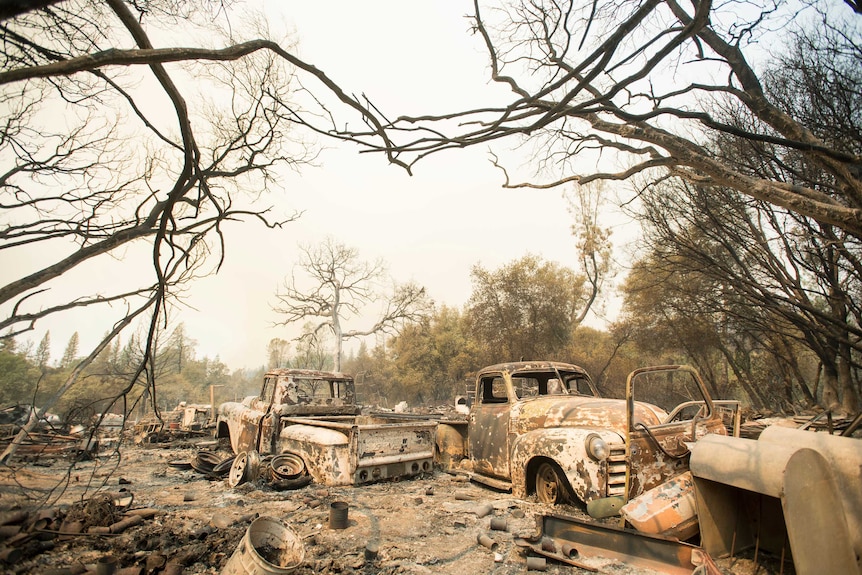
[(596, 447)]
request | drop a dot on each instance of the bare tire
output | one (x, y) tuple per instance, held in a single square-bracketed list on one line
[(549, 484)]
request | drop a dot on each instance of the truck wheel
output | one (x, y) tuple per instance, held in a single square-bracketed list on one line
[(549, 484), (245, 467)]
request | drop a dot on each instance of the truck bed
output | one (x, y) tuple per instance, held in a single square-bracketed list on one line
[(361, 449)]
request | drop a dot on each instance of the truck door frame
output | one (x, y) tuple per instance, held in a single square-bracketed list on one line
[(269, 421), (488, 432), (645, 441)]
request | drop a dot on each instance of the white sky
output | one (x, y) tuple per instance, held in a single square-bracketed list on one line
[(431, 228)]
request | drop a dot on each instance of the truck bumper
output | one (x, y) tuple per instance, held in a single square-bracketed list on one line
[(382, 468)]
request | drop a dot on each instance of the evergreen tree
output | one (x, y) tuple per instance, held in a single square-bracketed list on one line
[(71, 352), (43, 352)]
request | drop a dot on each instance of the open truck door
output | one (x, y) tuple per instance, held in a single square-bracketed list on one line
[(685, 412)]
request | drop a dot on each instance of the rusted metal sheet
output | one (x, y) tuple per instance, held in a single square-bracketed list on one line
[(240, 422), (575, 542), (394, 441), (657, 455), (451, 440), (844, 455), (765, 495), (551, 411), (668, 509)]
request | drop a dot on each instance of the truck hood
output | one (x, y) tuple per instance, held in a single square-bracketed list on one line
[(579, 411), (235, 408)]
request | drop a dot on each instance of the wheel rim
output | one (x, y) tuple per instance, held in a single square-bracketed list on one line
[(287, 466), (547, 484), (237, 473)]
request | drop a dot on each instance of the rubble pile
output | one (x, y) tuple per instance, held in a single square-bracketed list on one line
[(192, 523)]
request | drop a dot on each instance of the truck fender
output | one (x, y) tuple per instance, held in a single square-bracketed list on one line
[(566, 448), (240, 423), (451, 445), (325, 452)]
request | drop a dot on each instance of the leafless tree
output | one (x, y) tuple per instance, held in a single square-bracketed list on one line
[(752, 277), (338, 284), (613, 90), (775, 279), (116, 149)]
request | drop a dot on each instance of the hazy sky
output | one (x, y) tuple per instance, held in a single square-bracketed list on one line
[(431, 228), (408, 57)]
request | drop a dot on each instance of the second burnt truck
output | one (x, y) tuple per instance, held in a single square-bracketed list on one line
[(541, 428)]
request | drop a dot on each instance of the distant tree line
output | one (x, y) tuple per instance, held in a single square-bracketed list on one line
[(677, 308), (28, 376), (670, 315)]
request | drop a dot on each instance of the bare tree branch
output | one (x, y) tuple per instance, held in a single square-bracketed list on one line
[(602, 98)]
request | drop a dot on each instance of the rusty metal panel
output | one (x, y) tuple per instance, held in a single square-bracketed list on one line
[(729, 475), (242, 422), (315, 434), (574, 411), (668, 509), (451, 440), (656, 457), (399, 441), (386, 450), (488, 439), (844, 455), (573, 541)]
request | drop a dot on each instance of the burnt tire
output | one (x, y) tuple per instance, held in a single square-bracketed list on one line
[(550, 485), (287, 466)]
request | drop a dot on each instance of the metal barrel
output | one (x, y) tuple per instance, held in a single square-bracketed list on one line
[(338, 511), (269, 547)]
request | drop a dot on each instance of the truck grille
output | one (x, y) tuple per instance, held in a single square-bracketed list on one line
[(617, 469)]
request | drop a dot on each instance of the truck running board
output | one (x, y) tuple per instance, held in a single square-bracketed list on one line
[(498, 484)]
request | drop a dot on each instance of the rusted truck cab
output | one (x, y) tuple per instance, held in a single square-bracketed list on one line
[(541, 427), (314, 415), (253, 423)]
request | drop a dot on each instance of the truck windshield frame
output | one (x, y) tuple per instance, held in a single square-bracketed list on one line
[(535, 383)]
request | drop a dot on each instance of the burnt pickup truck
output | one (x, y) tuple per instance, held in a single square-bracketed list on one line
[(314, 415), (541, 428)]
